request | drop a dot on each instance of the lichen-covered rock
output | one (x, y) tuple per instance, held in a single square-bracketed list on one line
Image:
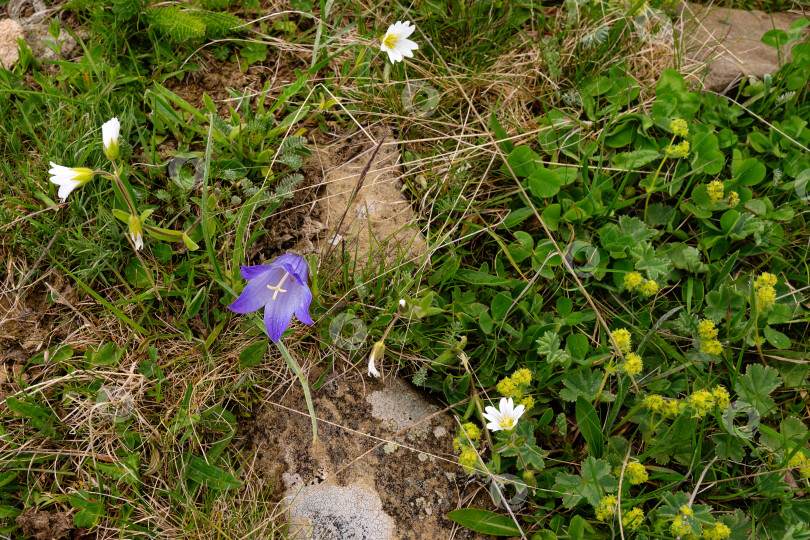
[(360, 481), (10, 32)]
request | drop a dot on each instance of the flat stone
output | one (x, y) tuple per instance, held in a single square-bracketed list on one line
[(377, 220), (729, 42), (10, 32), (359, 481)]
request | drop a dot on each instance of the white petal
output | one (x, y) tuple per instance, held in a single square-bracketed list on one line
[(395, 55), (372, 369), (518, 412), (65, 188), (407, 30), (138, 241), (109, 132), (494, 426)]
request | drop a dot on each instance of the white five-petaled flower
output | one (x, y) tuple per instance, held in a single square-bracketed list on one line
[(109, 137), (506, 418), (69, 178), (396, 42)]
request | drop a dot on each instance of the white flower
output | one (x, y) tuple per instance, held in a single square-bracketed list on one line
[(109, 137), (377, 351), (506, 418), (69, 178), (396, 42)]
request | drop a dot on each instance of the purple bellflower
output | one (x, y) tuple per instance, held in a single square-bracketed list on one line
[(281, 288)]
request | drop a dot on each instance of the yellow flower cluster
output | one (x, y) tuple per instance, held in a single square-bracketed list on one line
[(515, 387), (680, 150), (636, 473), (679, 527), (700, 402), (800, 461), (765, 293), (634, 280), (468, 459), (634, 365), (469, 433), (716, 191), (721, 397), (718, 531), (633, 518), (733, 199), (679, 127), (622, 339), (709, 343), (607, 507)]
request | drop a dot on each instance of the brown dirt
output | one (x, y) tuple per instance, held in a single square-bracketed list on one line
[(217, 76), (44, 525), (416, 482)]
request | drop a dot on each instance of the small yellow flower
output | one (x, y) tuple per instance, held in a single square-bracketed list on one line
[(721, 397), (634, 364), (632, 280), (711, 346), (680, 150), (649, 288), (473, 432), (636, 473), (679, 527), (633, 518), (607, 507), (508, 388), (718, 531), (458, 443), (765, 279), (622, 339), (766, 296), (527, 401), (655, 403), (679, 127), (685, 510), (673, 408), (522, 376), (716, 191), (468, 459), (733, 199), (707, 329), (701, 402)]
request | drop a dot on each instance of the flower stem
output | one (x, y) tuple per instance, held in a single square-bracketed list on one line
[(655, 178), (293, 365)]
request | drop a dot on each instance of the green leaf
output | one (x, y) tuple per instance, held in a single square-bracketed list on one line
[(776, 338), (523, 161), (544, 183), (590, 426), (683, 257), (749, 172), (635, 159), (549, 346), (253, 354), (585, 383), (775, 38), (594, 482), (202, 472), (475, 277), (756, 386), (706, 157), (577, 346), (485, 522), (646, 260), (720, 303)]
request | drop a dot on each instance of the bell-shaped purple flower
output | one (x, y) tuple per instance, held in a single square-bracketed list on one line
[(281, 288)]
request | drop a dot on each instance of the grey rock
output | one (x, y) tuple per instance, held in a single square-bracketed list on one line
[(728, 42)]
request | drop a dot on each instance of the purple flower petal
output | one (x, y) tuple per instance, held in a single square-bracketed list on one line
[(296, 265), (256, 293), (277, 317), (253, 272), (302, 307)]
